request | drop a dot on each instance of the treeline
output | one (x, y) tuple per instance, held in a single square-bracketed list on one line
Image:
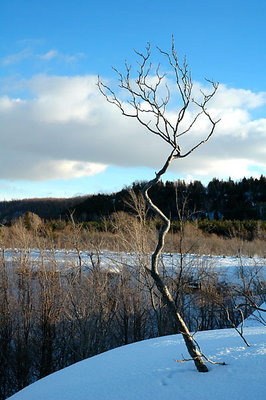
[(227, 200), (219, 200)]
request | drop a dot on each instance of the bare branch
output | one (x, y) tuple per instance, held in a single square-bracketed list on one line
[(201, 355), (240, 332), (149, 107), (145, 98), (206, 358), (250, 300)]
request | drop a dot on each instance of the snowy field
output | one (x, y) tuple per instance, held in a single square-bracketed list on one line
[(228, 267), (147, 371)]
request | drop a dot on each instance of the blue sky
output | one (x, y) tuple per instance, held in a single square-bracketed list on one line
[(59, 137)]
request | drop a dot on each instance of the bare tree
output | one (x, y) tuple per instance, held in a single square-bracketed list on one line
[(148, 101)]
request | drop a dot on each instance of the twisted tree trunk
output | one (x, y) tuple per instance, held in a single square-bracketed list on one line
[(154, 272)]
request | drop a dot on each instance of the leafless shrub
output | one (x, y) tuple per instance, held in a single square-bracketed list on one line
[(52, 316)]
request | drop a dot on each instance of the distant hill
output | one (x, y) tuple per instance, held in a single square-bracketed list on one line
[(229, 200), (48, 208)]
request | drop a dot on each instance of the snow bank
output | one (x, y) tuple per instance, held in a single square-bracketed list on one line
[(147, 371)]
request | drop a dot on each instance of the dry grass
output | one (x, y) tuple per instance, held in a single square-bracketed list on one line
[(128, 234)]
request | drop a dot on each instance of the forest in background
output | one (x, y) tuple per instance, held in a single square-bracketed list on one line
[(227, 200), (225, 208)]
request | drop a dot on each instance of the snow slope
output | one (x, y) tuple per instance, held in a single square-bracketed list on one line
[(253, 319), (147, 371)]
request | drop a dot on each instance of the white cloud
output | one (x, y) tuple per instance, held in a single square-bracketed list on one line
[(73, 169), (52, 54), (16, 57), (63, 99), (6, 103), (228, 98), (68, 130), (49, 55)]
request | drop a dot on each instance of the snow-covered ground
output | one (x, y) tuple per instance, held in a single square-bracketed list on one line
[(147, 371), (226, 266), (257, 318)]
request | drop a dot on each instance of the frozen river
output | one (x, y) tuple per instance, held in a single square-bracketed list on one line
[(113, 261)]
